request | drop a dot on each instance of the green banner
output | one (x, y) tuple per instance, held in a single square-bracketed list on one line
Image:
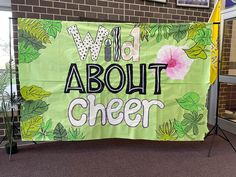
[(96, 80)]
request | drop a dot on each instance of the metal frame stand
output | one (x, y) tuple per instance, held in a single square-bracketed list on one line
[(216, 128)]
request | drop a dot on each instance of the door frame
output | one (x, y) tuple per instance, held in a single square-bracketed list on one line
[(225, 124)]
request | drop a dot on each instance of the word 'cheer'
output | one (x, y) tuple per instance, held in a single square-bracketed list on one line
[(94, 84), (132, 106)]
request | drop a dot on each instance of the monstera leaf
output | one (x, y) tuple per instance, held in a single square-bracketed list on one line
[(60, 132), (190, 102), (25, 38), (30, 127), (203, 37), (32, 109), (33, 93), (192, 121), (179, 32), (198, 51), (27, 55), (52, 27)]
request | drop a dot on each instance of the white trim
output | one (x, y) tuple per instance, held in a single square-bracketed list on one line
[(228, 10)]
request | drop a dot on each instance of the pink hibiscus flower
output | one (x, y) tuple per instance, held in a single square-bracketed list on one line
[(177, 60)]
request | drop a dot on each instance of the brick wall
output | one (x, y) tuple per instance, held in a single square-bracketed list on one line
[(105, 10), (109, 10)]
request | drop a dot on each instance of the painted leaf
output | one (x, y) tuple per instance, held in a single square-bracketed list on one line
[(60, 132), (30, 127), (203, 37), (158, 37), (153, 29), (195, 130), (27, 55), (45, 132), (32, 109), (198, 51), (52, 27), (25, 38), (33, 93), (34, 28), (144, 31), (194, 29), (179, 32), (75, 134), (191, 121), (179, 128), (190, 101)]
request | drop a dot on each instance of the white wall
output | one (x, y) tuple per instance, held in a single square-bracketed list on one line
[(5, 4)]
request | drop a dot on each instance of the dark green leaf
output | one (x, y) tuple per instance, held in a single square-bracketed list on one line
[(179, 31), (158, 38), (188, 128), (32, 109), (188, 116), (25, 38), (153, 30), (185, 122), (60, 133), (195, 130)]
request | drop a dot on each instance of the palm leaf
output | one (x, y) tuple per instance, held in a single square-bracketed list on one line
[(34, 28)]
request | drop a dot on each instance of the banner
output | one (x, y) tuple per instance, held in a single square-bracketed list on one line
[(96, 80), (215, 18)]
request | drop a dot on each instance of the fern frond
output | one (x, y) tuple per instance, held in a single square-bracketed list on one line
[(34, 28)]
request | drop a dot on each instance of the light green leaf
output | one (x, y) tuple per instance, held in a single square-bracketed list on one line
[(179, 129), (30, 127), (190, 101), (75, 134), (52, 27), (33, 93), (203, 36), (60, 132), (27, 55), (198, 51), (194, 29), (45, 132), (30, 109)]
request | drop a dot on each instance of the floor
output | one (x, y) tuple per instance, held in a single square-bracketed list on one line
[(121, 158)]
